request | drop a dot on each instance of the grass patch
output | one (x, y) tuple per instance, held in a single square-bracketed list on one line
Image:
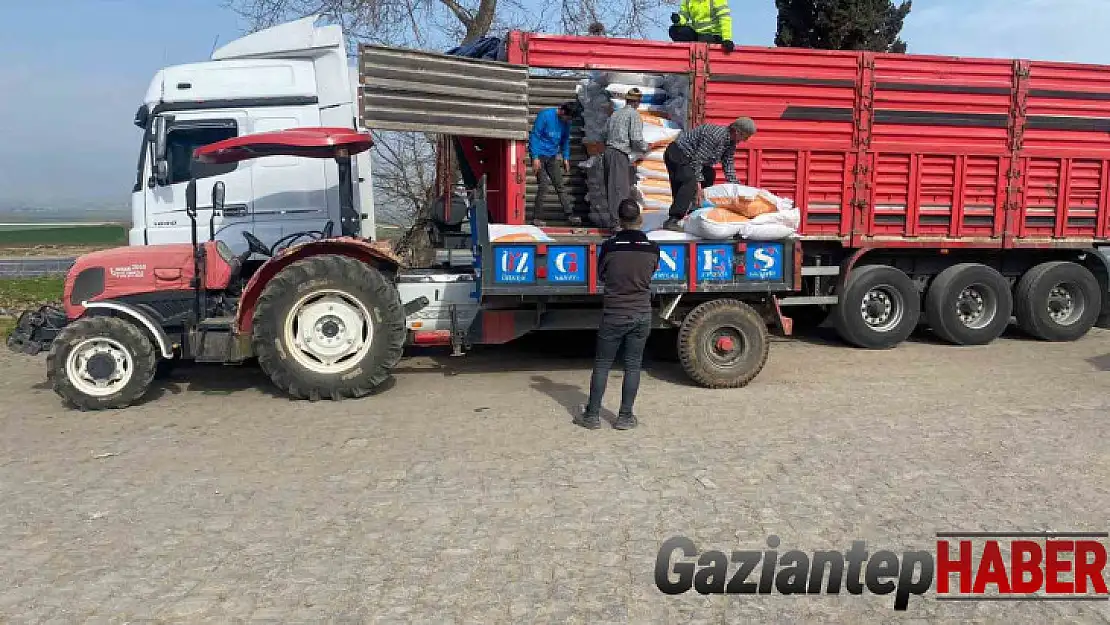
[(19, 294), (100, 234)]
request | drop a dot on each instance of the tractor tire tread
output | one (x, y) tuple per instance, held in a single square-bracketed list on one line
[(134, 339), (344, 273)]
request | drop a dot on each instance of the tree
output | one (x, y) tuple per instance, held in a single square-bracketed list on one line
[(842, 24), (445, 23)]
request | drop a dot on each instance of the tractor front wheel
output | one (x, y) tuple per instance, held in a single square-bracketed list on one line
[(101, 363), (329, 327)]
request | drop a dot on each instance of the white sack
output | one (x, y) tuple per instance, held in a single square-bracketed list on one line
[(764, 232)]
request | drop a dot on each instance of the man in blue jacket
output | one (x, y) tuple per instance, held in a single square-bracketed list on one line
[(549, 151)]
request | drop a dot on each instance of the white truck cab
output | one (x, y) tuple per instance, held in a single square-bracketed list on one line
[(292, 75)]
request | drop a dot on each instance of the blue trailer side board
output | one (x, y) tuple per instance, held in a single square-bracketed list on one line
[(702, 266)]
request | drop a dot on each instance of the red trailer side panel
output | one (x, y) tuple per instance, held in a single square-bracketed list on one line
[(1066, 152), (884, 149), (802, 103)]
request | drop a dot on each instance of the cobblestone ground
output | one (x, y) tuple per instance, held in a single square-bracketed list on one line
[(464, 494)]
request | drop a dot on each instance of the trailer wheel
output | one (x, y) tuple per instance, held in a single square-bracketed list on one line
[(328, 326), (969, 304), (723, 344), (101, 363), (878, 308), (1057, 301)]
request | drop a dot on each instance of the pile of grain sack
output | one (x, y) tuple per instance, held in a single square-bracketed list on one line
[(663, 109), (733, 210), (729, 210)]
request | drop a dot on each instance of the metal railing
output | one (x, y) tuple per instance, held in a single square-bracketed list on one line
[(34, 267)]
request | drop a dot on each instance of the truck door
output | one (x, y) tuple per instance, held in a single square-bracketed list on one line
[(291, 194), (167, 221)]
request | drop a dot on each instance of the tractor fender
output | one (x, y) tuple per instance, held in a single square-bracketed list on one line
[(137, 315), (369, 252)]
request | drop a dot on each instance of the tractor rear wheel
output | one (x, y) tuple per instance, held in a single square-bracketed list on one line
[(723, 344), (328, 327), (101, 363)]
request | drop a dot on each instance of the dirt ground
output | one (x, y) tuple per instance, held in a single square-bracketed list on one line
[(463, 494)]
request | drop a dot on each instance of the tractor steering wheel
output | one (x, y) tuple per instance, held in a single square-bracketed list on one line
[(256, 245)]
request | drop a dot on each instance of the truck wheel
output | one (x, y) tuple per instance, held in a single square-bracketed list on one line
[(1057, 301), (328, 326), (969, 304), (723, 344), (101, 363), (878, 308)]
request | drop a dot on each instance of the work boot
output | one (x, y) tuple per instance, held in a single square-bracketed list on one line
[(625, 422), (590, 422), (672, 225)]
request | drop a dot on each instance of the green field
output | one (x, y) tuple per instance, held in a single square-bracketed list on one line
[(62, 234)]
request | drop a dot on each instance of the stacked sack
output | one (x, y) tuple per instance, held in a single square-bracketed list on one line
[(733, 210), (663, 108)]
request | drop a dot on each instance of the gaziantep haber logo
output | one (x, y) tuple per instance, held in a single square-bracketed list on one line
[(1041, 566)]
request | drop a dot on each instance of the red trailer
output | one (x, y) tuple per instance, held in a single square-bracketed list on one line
[(952, 192)]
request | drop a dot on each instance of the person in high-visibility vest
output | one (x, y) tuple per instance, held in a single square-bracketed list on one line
[(707, 21)]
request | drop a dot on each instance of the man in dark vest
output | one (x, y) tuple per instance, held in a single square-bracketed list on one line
[(625, 266)]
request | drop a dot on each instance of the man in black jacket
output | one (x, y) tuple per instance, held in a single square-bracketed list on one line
[(627, 261)]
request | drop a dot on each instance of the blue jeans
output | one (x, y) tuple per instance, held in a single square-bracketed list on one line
[(633, 333)]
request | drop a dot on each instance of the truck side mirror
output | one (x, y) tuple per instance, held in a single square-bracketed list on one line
[(161, 166), (191, 199), (218, 197)]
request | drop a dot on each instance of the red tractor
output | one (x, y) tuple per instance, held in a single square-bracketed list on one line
[(323, 317)]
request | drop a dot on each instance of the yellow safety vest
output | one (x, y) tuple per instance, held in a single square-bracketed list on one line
[(707, 17)]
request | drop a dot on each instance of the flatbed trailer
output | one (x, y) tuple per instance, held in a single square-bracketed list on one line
[(719, 295), (950, 192)]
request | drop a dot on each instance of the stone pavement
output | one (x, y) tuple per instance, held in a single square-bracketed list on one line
[(464, 495)]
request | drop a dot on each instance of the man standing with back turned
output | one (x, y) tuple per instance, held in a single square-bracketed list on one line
[(627, 261)]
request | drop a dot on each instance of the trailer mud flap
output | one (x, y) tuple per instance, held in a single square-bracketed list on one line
[(497, 327)]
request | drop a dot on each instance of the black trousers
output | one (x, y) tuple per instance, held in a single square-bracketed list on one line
[(684, 181), (618, 181), (614, 331), (687, 34)]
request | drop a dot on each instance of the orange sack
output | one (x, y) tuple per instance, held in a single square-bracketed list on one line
[(725, 216), (743, 206)]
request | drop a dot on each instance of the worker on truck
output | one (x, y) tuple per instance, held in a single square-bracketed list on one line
[(690, 159), (707, 21), (549, 151), (624, 144)]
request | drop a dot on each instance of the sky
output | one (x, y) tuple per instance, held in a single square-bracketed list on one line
[(73, 72)]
